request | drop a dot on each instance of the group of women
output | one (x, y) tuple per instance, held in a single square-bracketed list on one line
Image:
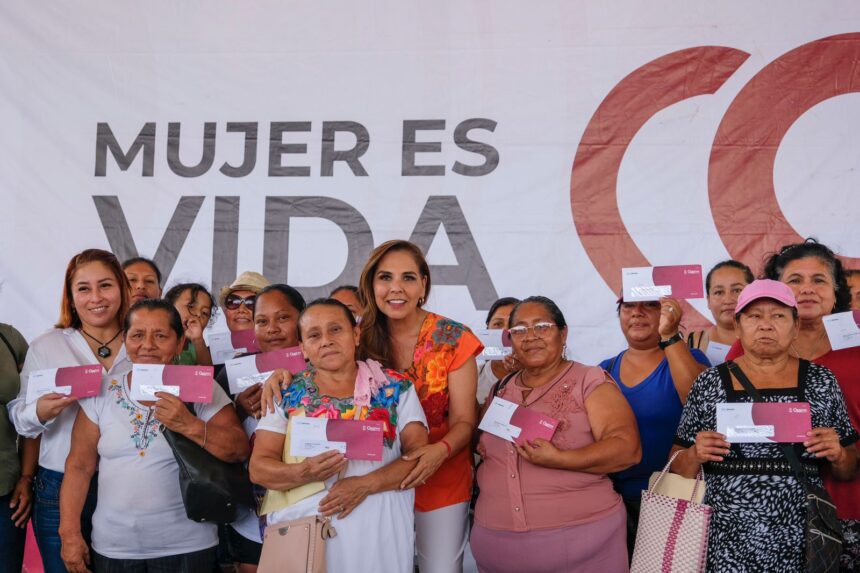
[(103, 483)]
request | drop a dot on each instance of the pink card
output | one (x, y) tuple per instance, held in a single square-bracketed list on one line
[(78, 381), (363, 438), (533, 425), (651, 283), (244, 372), (515, 423), (227, 345), (756, 422), (190, 383)]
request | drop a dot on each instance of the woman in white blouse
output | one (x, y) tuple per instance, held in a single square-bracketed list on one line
[(94, 302), (140, 521)]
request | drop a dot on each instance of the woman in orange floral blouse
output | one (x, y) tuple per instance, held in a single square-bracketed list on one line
[(438, 355)]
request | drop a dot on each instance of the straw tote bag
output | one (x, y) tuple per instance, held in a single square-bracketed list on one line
[(673, 533)]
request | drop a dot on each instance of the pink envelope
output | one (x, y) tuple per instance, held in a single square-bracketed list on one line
[(86, 381), (245, 339), (533, 425), (790, 420), (196, 383), (291, 359), (685, 280), (363, 438)]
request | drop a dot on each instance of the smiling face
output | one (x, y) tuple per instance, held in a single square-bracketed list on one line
[(329, 341), (398, 285), (96, 295), (812, 282), (533, 350), (150, 339), (640, 323), (726, 285), (199, 308), (766, 328), (143, 281), (275, 320), (241, 317)]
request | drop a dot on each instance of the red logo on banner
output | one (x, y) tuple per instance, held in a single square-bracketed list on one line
[(740, 174)]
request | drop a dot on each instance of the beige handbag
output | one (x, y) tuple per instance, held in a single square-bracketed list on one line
[(296, 546), (676, 486)]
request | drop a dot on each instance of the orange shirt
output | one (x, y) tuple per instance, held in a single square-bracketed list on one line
[(443, 346)]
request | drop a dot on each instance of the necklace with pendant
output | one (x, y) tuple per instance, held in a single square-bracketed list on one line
[(103, 350)]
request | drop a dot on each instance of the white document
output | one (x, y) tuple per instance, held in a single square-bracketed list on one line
[(242, 373), (308, 437), (717, 352), (734, 421), (494, 347), (42, 382), (638, 285), (842, 329), (497, 419), (221, 347), (146, 380)]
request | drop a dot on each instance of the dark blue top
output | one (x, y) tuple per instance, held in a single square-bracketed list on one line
[(657, 407)]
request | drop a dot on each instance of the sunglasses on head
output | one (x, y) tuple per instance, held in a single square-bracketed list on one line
[(234, 301)]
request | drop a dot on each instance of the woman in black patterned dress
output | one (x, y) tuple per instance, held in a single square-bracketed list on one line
[(759, 508)]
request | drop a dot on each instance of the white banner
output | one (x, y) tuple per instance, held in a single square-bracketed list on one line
[(530, 148)]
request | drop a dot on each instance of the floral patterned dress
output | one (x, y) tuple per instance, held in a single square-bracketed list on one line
[(443, 346), (379, 534)]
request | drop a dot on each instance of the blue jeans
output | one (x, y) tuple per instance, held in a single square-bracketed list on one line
[(46, 517), (11, 538)]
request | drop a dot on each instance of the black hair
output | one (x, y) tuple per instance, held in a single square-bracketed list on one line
[(776, 263), (351, 288), (504, 301), (295, 297), (552, 308), (731, 263), (153, 304), (144, 260), (325, 302), (851, 273), (176, 291)]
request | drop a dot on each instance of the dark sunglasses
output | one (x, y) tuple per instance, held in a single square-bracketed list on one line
[(232, 302)]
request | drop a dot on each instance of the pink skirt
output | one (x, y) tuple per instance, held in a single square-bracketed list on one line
[(597, 546)]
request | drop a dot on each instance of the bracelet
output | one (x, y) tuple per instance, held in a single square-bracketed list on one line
[(204, 435), (447, 446)]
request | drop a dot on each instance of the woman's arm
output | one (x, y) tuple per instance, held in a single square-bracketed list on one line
[(268, 469), (462, 388), (22, 495), (824, 443), (709, 447), (346, 494), (616, 444), (222, 435), (682, 364), (80, 467)]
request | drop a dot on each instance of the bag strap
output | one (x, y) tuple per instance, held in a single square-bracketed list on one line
[(787, 449), (700, 476)]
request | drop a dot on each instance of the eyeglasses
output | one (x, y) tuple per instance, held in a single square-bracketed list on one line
[(540, 330), (233, 301)]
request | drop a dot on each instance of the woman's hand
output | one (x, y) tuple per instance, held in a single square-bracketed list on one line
[(75, 553), (345, 495), (710, 447), (249, 400), (22, 501), (193, 329), (511, 364), (540, 453), (50, 405), (670, 317), (272, 387), (429, 457), (322, 466), (824, 443), (172, 412)]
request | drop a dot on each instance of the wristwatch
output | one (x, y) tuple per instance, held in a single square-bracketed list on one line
[(670, 341)]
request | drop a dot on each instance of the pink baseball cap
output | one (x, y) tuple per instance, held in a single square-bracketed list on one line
[(765, 288)]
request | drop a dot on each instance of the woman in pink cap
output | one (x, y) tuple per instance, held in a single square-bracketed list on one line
[(759, 519)]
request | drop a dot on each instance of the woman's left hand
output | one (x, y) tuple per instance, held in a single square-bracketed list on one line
[(22, 501), (429, 457), (344, 496), (172, 412), (824, 443), (540, 452)]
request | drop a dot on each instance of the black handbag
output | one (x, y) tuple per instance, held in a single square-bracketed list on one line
[(823, 530), (212, 489)]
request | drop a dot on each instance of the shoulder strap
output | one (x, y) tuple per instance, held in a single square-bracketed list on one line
[(787, 449), (11, 350)]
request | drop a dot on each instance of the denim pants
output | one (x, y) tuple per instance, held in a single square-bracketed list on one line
[(46, 517), (11, 538)]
